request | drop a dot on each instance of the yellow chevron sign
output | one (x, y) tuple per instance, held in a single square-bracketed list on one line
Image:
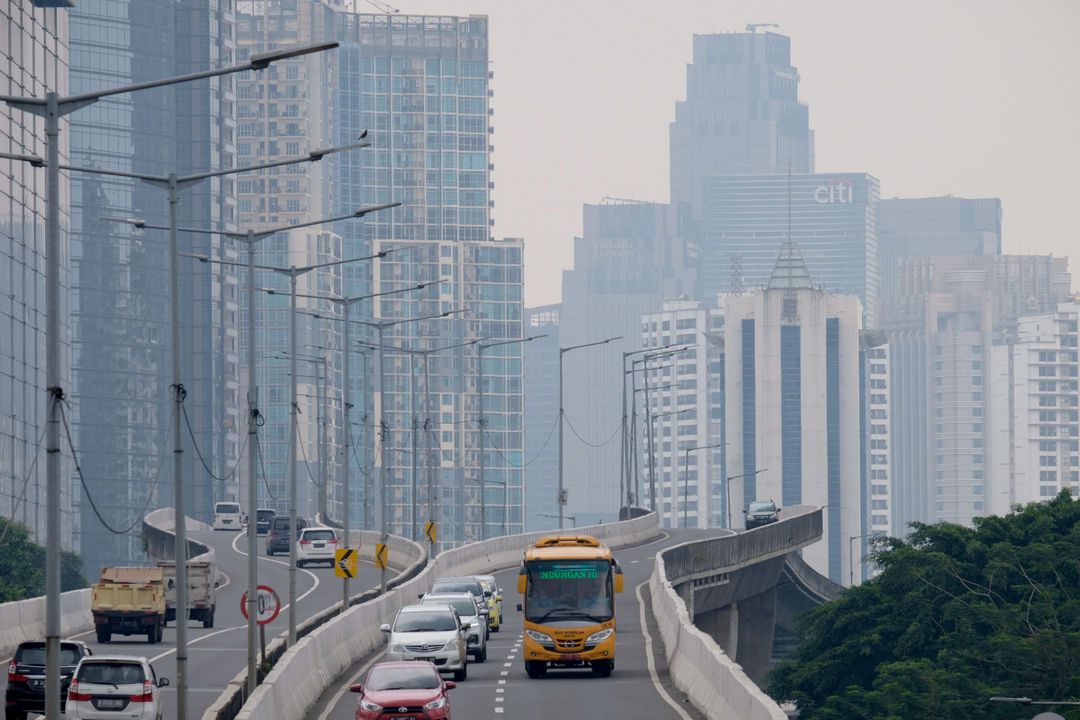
[(381, 557), (345, 563)]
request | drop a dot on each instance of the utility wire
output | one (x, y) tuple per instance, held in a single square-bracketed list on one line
[(195, 444), (574, 430), (303, 452), (266, 482), (86, 490), (534, 458)]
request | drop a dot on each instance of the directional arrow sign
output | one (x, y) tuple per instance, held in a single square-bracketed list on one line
[(380, 557), (345, 563), (430, 532)]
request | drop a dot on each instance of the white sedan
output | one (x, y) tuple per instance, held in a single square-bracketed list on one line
[(316, 544)]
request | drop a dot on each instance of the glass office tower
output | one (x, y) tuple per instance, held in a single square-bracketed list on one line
[(33, 61), (122, 342)]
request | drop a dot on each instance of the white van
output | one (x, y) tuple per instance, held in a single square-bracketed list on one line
[(227, 516)]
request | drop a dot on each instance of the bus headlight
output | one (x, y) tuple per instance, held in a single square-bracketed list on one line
[(539, 637), (599, 637)]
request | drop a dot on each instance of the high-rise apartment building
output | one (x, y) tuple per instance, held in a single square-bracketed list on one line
[(794, 399), (122, 334), (943, 324), (417, 88), (741, 116), (628, 260), (831, 217), (682, 451), (921, 227), (1034, 411), (33, 63)]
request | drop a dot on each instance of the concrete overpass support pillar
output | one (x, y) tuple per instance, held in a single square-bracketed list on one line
[(756, 623), (722, 625)]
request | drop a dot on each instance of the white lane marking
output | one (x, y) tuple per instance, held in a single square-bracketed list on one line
[(498, 709), (171, 650), (504, 673), (649, 657), (508, 664), (502, 682), (336, 698)]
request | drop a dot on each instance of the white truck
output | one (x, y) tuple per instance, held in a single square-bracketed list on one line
[(202, 584)]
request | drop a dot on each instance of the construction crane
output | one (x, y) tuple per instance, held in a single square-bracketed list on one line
[(383, 7), (751, 27)]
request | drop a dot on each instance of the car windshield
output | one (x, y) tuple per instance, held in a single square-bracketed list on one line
[(762, 507), (425, 622), (318, 535), (400, 678), (448, 586), (227, 508), (264, 514), (35, 655), (111, 673), (465, 606)]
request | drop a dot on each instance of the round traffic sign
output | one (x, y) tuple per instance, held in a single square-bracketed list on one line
[(267, 605)]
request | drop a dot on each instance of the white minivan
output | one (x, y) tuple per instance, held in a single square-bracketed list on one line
[(227, 516)]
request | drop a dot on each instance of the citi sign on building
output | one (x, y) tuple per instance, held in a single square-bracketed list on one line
[(832, 222)]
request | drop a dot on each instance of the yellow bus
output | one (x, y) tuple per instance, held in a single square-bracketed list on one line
[(568, 587)]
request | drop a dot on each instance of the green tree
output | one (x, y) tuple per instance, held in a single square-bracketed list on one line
[(957, 615), (22, 565)]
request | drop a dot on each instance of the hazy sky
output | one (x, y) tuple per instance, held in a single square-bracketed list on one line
[(972, 98)]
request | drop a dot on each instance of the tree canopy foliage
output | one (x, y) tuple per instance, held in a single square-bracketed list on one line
[(957, 615), (22, 565)]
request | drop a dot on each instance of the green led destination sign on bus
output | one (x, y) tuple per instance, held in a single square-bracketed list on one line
[(579, 572)]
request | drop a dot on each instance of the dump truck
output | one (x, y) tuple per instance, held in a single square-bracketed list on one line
[(202, 581), (129, 601)]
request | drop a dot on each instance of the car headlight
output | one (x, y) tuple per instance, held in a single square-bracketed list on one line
[(435, 704), (369, 706), (396, 648), (452, 645), (597, 637), (539, 637)]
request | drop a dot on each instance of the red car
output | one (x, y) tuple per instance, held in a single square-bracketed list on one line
[(407, 689)]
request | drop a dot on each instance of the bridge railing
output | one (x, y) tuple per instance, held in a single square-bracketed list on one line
[(713, 681)]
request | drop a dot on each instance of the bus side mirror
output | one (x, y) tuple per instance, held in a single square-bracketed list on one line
[(519, 607), (618, 582)]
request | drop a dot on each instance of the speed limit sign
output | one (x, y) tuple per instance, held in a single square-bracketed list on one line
[(267, 605)]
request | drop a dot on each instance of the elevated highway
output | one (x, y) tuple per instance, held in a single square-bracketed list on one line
[(713, 598)]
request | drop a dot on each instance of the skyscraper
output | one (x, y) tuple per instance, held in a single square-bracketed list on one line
[(121, 316), (830, 217), (741, 116), (33, 63), (628, 260), (418, 85), (794, 397), (541, 416)]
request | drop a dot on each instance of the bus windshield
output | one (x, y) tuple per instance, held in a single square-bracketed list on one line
[(569, 589)]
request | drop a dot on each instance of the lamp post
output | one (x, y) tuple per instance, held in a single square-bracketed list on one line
[(251, 237), (320, 366), (686, 474), (727, 489), (411, 352), (851, 556), (624, 458), (560, 498), (379, 327), (480, 390), (52, 107), (346, 305)]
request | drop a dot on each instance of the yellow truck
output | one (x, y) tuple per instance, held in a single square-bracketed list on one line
[(129, 601)]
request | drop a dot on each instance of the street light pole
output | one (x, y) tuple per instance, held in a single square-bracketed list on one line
[(686, 475), (52, 107), (560, 499), (480, 390), (251, 236)]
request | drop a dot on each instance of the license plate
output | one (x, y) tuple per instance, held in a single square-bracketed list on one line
[(572, 656), (37, 685), (110, 704), (320, 545), (430, 658)]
